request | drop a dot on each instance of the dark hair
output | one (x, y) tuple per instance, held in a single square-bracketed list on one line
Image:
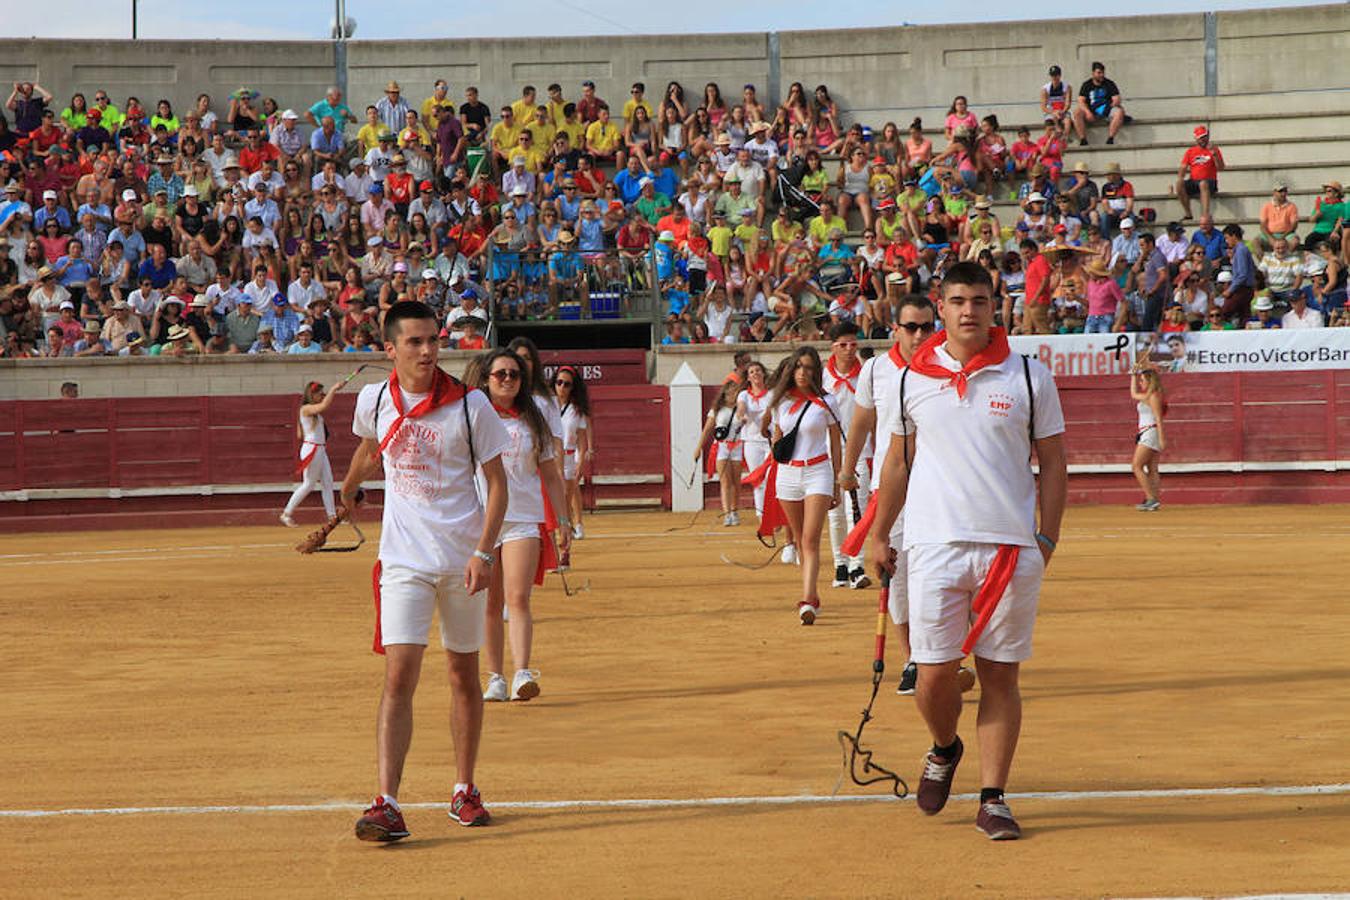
[(968, 273), (477, 377), (581, 397), (405, 310), (1234, 229), (917, 124), (842, 329), (311, 389), (1148, 236), (1096, 65), (537, 383), (991, 120), (1029, 244), (786, 378), (917, 302)]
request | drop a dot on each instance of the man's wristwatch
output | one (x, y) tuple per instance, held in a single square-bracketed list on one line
[(487, 558)]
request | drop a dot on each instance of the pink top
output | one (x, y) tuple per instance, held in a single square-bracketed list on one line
[(955, 121), (1103, 295)]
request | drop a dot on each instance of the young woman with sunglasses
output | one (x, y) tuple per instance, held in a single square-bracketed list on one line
[(578, 445), (523, 546)]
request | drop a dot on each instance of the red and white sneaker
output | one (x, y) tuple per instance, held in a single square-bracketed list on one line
[(381, 822), (467, 808), (807, 612)]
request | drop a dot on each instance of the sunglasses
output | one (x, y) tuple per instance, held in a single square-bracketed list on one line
[(915, 327), (505, 375), (563, 382)]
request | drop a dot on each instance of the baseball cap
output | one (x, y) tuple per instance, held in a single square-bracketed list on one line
[(304, 329), (49, 195), (376, 188), (1055, 70), (66, 304), (667, 236), (519, 191), (289, 114), (1200, 131), (190, 191), (1224, 277), (1038, 197), (429, 275), (468, 294), (644, 181), (1281, 186), (278, 299), (400, 267), (374, 241), (424, 186), (1127, 222)]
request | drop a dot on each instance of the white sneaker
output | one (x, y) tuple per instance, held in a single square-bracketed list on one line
[(733, 518), (726, 519), (496, 689), (288, 521), (807, 613), (789, 554), (525, 685), (577, 532)]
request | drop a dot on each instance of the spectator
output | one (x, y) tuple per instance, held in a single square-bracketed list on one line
[(1300, 314), (1278, 216), (1210, 238), (1055, 98), (1283, 270), (1329, 210), (1198, 175), (330, 107), (1041, 283), (1104, 298), (1153, 281), (392, 109), (304, 341), (1237, 296), (1263, 315), (28, 101), (1098, 100)]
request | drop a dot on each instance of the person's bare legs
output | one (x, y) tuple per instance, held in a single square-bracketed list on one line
[(1182, 197), (466, 712), (519, 561), (1080, 122), (1143, 457), (938, 697), (394, 724), (1205, 197), (1117, 121), (813, 511), (999, 721), (494, 632)]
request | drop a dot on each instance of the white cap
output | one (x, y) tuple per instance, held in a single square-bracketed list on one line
[(128, 194), (374, 241), (1035, 197), (66, 304), (1127, 222), (429, 274), (303, 329), (289, 114), (644, 181), (519, 191), (190, 191), (49, 195), (400, 267), (1225, 277)]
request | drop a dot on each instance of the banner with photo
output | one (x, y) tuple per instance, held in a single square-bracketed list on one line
[(1274, 350)]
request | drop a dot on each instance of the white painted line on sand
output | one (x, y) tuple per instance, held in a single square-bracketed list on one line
[(1307, 790)]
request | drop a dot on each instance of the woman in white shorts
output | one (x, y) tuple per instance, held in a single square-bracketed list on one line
[(751, 406), (578, 442), (314, 469), (1147, 392), (530, 472), (806, 485), (725, 455)]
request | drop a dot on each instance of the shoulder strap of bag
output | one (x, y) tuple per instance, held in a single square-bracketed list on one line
[(1031, 408), (904, 438)]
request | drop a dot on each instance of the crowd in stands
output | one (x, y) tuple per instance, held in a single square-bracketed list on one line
[(244, 227)]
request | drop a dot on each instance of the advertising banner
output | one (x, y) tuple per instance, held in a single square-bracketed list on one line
[(1273, 350)]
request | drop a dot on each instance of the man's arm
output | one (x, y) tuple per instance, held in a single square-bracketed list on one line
[(1054, 488), (477, 574), (364, 466), (864, 419), (890, 498)]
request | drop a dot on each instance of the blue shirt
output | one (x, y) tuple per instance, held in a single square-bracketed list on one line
[(564, 264), (301, 348), (590, 236), (827, 253), (1244, 271), (629, 186), (100, 213), (569, 210), (341, 114), (173, 186), (160, 277), (678, 300), (285, 324), (1214, 245), (43, 214), (80, 271), (667, 182), (133, 246), (665, 259), (317, 141)]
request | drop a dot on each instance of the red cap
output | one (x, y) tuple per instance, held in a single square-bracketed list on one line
[(1061, 228), (878, 160), (426, 186), (1201, 131), (93, 114)]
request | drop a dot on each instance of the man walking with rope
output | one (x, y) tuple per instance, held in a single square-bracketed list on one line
[(968, 414)]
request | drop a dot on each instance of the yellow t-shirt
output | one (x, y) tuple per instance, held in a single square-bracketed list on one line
[(555, 112), (504, 137), (821, 228), (603, 138), (408, 136), (576, 134), (543, 134), (534, 157), (429, 109), (881, 184), (524, 111), (368, 137), (747, 234), (632, 105), (785, 234), (719, 238), (887, 231)]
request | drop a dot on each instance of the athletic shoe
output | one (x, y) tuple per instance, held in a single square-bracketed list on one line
[(965, 677), (733, 518), (908, 679), (1152, 505), (858, 580), (565, 560), (467, 808), (288, 521), (525, 684), (1082, 142), (789, 554), (496, 689), (997, 822), (1110, 140), (840, 577), (807, 612), (381, 822), (935, 785), (578, 532)]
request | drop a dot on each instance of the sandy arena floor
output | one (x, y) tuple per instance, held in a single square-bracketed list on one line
[(1198, 648)]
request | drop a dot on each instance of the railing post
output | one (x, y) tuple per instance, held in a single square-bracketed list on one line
[(1211, 54), (686, 420)]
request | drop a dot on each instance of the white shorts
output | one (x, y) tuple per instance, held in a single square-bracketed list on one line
[(517, 531), (1149, 438), (569, 467), (409, 598), (727, 451), (898, 599), (755, 453), (943, 580), (799, 482)]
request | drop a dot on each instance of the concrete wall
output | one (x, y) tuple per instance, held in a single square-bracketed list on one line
[(881, 73)]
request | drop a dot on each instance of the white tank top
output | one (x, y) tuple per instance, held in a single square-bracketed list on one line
[(573, 422), (1146, 417), (315, 434)]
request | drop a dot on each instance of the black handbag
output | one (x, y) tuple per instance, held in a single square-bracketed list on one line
[(785, 445)]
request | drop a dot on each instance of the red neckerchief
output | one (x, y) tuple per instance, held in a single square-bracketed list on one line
[(896, 359), (925, 359), (753, 395), (848, 379), (508, 411), (444, 389), (798, 398)]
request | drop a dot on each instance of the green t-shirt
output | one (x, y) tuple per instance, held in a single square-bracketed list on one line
[(652, 208), (1327, 214), (815, 182)]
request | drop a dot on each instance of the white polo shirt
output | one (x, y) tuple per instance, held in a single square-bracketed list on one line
[(878, 389), (432, 514), (971, 479)]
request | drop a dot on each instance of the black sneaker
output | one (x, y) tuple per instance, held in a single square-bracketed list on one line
[(908, 679), (996, 821), (1082, 142), (858, 580), (935, 785), (1109, 140), (840, 577)]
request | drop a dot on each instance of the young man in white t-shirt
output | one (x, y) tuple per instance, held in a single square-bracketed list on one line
[(878, 395), (840, 378), (436, 547), (970, 414)]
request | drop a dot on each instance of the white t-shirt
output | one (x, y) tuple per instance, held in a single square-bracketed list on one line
[(432, 513), (717, 320), (971, 479), (552, 412), (878, 388), (1311, 318), (755, 407), (813, 437), (525, 497), (260, 297), (573, 422), (301, 296), (843, 388)]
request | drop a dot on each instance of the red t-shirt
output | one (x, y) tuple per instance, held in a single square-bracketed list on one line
[(1038, 281), (902, 254), (251, 160), (1202, 163), (399, 187), (679, 229)]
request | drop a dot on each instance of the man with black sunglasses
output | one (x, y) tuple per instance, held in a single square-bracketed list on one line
[(878, 395)]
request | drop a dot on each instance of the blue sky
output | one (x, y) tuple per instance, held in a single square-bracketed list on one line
[(309, 20)]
